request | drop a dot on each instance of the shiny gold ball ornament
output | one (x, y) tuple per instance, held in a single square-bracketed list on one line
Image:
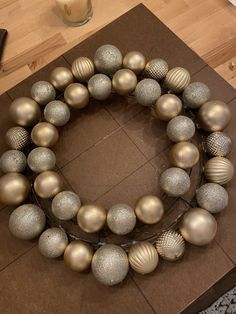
[(156, 69), (110, 264), (167, 107), (219, 170), (17, 138), (78, 256), (41, 159), (170, 245), (177, 79), (99, 86), (57, 113), (124, 81), (47, 184), (180, 128), (61, 77), (149, 209), (14, 189), (147, 92), (143, 257), (76, 95), (121, 219), (13, 161), (108, 59), (27, 221), (65, 205), (43, 92), (198, 226), (214, 116), (24, 111), (184, 155), (83, 69), (196, 94), (44, 134), (91, 217), (218, 144), (135, 61)]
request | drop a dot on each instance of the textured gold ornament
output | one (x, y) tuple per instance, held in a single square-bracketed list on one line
[(184, 155), (41, 159), (218, 144), (124, 81), (135, 61), (121, 219), (17, 138), (177, 79), (219, 170), (47, 184), (83, 69), (198, 226), (76, 95), (44, 134), (180, 128), (149, 209), (13, 161), (170, 245), (91, 217), (66, 205), (156, 69), (61, 77), (143, 257), (14, 189), (167, 107), (214, 116), (78, 256)]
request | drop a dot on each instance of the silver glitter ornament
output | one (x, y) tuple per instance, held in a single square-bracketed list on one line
[(196, 94), (57, 113), (41, 159), (110, 264), (147, 92), (156, 69), (43, 92), (170, 245), (180, 128), (121, 219), (108, 59), (52, 243), (218, 144), (17, 138), (13, 161), (175, 181), (65, 205), (99, 86), (27, 221), (212, 197), (177, 79)]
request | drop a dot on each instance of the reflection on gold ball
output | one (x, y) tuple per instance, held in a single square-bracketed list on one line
[(149, 209), (135, 61), (91, 217), (177, 79), (124, 81), (14, 189), (47, 184), (167, 107), (78, 256), (184, 155), (219, 170), (170, 245), (198, 226), (214, 116), (76, 95), (83, 69), (44, 134), (61, 77)]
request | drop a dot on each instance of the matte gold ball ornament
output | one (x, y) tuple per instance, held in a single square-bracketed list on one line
[(47, 184), (167, 107), (91, 217), (44, 134), (135, 61), (184, 155), (61, 77), (219, 170), (83, 69), (124, 81), (76, 95), (149, 209)]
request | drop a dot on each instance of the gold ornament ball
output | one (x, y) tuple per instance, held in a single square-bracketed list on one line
[(47, 184), (167, 107), (61, 77), (135, 61), (143, 257), (214, 116), (14, 189), (83, 69), (170, 245), (219, 170), (44, 134), (91, 217), (184, 155), (124, 81), (24, 111), (17, 138), (149, 209), (177, 79), (78, 256), (76, 95), (198, 226), (121, 219)]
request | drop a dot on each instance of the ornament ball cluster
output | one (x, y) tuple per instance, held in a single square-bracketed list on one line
[(169, 95)]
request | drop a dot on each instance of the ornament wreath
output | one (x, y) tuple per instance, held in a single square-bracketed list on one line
[(153, 85)]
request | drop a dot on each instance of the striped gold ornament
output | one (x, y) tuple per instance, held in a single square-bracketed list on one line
[(219, 170), (83, 69), (177, 79), (170, 245)]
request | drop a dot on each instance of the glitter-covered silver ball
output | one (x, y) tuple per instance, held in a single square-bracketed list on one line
[(65, 205), (17, 138), (175, 181), (147, 92), (180, 128), (52, 242), (108, 59), (99, 86), (57, 113), (43, 92), (41, 159), (27, 221), (156, 69), (121, 219), (170, 245), (13, 161), (177, 79), (212, 197), (218, 144), (196, 94), (110, 264)]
